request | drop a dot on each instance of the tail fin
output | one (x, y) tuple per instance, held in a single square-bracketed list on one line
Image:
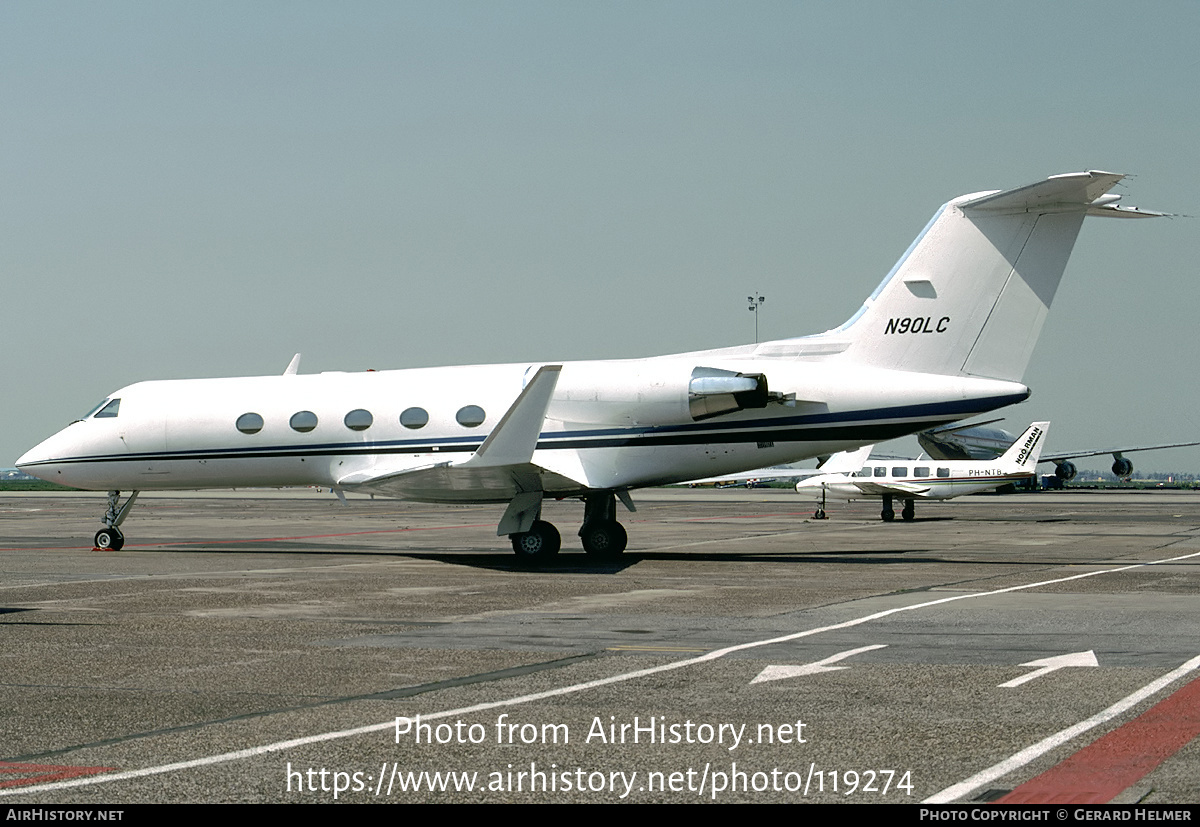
[(970, 295), (1023, 455), (846, 462)]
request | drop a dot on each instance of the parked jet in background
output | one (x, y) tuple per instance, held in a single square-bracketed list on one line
[(947, 335), (962, 442), (930, 480)]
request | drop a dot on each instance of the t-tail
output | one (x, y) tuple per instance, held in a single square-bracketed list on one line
[(970, 295), (1022, 456)]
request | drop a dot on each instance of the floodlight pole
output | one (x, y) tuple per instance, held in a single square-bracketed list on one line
[(755, 304)]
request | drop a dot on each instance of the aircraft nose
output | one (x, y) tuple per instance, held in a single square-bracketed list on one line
[(35, 456), (39, 461)]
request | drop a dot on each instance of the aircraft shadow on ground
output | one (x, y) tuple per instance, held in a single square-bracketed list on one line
[(574, 563)]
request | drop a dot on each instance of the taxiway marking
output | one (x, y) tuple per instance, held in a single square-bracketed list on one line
[(1048, 665), (1026, 755), (1099, 772), (279, 746), (778, 673)]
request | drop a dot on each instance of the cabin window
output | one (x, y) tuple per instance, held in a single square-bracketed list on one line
[(863, 472), (303, 421), (358, 420), (249, 423), (880, 471), (470, 416), (414, 418), (943, 472), (110, 410), (900, 471), (921, 471)]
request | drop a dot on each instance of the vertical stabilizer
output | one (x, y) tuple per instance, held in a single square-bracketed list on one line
[(971, 294), (1023, 455)]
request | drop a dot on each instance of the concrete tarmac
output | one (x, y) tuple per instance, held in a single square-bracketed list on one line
[(260, 646)]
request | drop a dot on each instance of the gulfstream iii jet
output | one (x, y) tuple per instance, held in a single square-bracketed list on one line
[(947, 335)]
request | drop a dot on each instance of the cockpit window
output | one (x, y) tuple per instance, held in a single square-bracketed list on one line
[(93, 409), (109, 410)]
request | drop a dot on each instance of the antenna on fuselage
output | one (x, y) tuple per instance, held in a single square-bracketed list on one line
[(293, 366)]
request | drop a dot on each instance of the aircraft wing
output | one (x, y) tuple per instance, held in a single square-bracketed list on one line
[(844, 462), (759, 475), (1078, 454), (502, 467), (898, 489)]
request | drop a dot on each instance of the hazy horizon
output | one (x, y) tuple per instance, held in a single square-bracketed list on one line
[(199, 190)]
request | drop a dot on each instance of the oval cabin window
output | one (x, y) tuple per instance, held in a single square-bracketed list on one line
[(249, 423), (303, 421), (414, 418), (359, 420), (470, 416)]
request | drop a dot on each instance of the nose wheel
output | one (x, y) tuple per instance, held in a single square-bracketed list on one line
[(109, 539)]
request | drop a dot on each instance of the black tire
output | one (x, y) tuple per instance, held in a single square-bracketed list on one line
[(109, 539), (908, 514), (604, 539), (820, 514), (541, 542), (888, 515)]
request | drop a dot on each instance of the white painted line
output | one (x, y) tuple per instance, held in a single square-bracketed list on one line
[(564, 690), (1026, 755), (1048, 665), (778, 673)]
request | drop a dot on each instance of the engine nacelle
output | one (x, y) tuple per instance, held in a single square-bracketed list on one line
[(1065, 471), (653, 392), (1122, 467)]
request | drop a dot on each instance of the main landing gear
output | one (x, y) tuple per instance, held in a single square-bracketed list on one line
[(541, 542), (908, 513), (110, 537), (603, 538)]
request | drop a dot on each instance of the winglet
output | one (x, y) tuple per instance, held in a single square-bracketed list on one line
[(293, 366), (515, 437)]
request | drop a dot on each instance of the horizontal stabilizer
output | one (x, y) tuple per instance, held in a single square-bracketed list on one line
[(1072, 190)]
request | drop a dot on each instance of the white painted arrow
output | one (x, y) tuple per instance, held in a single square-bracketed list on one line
[(1048, 665), (778, 673)]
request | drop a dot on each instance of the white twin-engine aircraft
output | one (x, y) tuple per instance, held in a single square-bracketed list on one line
[(946, 336), (911, 480)]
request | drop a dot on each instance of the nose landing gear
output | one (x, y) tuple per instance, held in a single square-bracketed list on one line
[(110, 537)]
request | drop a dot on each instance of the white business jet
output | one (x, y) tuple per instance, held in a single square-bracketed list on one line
[(947, 335), (911, 480)]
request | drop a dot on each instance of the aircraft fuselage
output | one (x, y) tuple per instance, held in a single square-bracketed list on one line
[(609, 425)]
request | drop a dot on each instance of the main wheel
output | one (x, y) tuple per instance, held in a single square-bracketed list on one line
[(604, 539), (109, 539), (908, 513), (887, 515), (541, 542)]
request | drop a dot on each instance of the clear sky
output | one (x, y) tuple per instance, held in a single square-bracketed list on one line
[(204, 188)]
